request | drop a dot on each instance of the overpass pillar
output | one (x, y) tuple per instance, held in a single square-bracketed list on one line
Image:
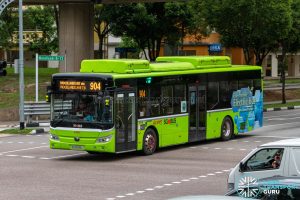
[(75, 34)]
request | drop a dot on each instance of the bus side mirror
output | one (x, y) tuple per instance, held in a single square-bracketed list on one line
[(48, 94), (242, 167)]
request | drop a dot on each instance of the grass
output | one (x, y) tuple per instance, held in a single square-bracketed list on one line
[(9, 86), (16, 131), (282, 105)]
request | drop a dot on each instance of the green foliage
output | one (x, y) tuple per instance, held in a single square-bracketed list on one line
[(41, 18), (8, 25), (101, 24), (148, 24), (254, 25)]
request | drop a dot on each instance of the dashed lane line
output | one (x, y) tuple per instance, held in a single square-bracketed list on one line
[(139, 192), (18, 150), (219, 148)]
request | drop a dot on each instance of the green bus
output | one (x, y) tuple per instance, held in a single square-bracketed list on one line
[(125, 105)]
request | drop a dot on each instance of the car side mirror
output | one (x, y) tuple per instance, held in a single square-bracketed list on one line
[(242, 167)]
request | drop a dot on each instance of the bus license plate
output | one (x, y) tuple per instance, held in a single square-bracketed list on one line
[(77, 147)]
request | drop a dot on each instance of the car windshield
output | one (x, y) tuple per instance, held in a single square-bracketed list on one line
[(81, 107)]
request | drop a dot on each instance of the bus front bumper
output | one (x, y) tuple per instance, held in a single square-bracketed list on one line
[(96, 147)]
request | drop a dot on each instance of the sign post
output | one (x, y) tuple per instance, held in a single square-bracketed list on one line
[(36, 77), (42, 58)]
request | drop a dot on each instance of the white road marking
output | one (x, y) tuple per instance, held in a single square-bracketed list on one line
[(243, 149), (217, 148), (11, 155), (246, 141), (281, 124), (176, 182), (20, 142), (185, 180), (282, 115), (28, 156), (281, 119), (149, 189), (10, 142), (44, 143), (168, 184), (226, 170), (193, 147), (257, 141), (43, 158), (23, 149), (274, 136)]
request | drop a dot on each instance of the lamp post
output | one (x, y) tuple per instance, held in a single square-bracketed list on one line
[(21, 65)]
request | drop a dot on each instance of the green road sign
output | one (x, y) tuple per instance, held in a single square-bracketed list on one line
[(51, 58)]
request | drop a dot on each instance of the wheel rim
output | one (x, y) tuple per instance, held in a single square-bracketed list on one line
[(226, 128), (150, 143)]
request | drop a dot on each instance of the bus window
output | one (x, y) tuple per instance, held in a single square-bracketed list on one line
[(167, 100), (213, 95), (143, 98), (225, 94), (179, 98), (154, 101), (245, 83)]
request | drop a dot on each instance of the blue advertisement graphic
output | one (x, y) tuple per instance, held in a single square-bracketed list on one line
[(248, 109)]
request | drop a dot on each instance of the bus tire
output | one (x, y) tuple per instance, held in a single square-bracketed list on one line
[(93, 152), (149, 142), (226, 129)]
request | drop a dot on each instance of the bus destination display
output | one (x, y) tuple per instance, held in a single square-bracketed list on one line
[(84, 86)]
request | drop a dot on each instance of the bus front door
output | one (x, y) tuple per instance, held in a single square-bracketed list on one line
[(197, 113), (125, 121)]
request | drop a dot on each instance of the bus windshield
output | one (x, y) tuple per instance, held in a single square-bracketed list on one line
[(81, 108)]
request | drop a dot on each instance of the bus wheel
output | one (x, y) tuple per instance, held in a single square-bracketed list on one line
[(93, 152), (226, 129), (149, 142)]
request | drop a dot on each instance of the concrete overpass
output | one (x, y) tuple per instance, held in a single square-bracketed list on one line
[(76, 38)]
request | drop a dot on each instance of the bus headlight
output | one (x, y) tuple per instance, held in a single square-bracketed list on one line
[(54, 137), (104, 139)]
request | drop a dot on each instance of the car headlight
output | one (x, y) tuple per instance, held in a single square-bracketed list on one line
[(104, 139), (230, 187), (54, 137)]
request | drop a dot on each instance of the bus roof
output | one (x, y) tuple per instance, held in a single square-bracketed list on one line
[(172, 65)]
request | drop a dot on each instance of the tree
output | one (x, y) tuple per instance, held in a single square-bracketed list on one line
[(8, 27), (290, 43), (42, 18), (101, 26), (148, 24), (253, 25)]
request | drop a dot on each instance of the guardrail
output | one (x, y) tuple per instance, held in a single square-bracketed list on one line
[(32, 108)]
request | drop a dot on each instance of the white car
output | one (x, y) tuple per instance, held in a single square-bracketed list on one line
[(280, 158)]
